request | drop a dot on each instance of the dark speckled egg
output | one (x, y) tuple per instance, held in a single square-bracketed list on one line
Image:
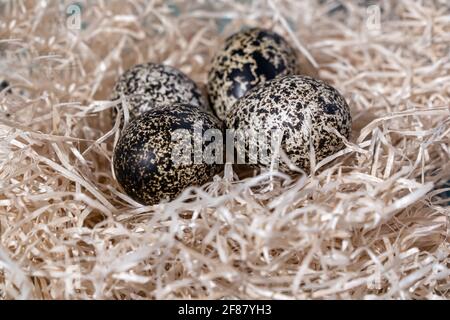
[(292, 112), (156, 157), (150, 85), (249, 58)]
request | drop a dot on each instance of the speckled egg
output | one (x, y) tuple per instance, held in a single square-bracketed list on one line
[(301, 110), (151, 160), (249, 58), (150, 85)]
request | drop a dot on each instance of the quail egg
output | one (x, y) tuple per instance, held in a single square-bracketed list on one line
[(150, 85), (167, 149), (248, 58), (293, 113)]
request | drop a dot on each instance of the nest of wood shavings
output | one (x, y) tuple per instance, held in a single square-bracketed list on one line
[(367, 223)]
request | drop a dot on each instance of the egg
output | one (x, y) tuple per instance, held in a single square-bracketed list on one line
[(292, 112), (156, 156), (149, 85), (248, 58)]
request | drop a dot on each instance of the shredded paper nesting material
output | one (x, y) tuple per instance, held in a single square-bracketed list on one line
[(370, 222)]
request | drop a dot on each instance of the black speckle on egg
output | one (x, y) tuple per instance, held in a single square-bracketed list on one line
[(149, 85), (330, 108), (249, 58), (3, 85), (302, 108), (143, 163)]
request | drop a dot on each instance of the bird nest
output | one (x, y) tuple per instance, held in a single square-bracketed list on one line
[(370, 222)]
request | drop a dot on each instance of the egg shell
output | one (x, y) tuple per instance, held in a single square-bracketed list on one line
[(149, 85), (143, 163), (248, 58), (300, 107)]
